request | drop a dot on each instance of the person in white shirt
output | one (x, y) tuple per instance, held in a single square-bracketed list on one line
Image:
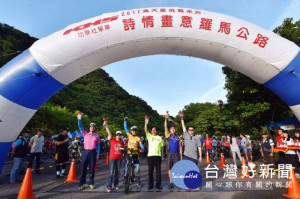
[(290, 155), (36, 143), (249, 148), (234, 148)]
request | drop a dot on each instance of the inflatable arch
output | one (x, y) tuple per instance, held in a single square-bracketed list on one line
[(50, 63)]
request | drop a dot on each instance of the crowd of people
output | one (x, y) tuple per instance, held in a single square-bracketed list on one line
[(172, 146)]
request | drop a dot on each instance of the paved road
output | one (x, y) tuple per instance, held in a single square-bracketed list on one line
[(47, 186)]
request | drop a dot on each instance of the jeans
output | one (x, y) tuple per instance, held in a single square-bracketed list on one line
[(210, 154), (88, 159), (14, 174), (114, 168), (38, 160)]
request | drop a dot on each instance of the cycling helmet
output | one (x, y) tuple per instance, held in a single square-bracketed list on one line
[(93, 124), (134, 128)]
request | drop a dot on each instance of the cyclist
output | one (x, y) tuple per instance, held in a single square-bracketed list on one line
[(134, 142), (174, 148)]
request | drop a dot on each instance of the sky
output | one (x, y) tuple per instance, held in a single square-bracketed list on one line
[(165, 82)]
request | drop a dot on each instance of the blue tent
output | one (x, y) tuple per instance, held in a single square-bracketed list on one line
[(284, 122), (79, 134), (71, 134)]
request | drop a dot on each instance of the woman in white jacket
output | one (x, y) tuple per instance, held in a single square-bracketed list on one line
[(234, 148)]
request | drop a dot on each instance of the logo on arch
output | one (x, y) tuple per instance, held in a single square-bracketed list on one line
[(186, 175)]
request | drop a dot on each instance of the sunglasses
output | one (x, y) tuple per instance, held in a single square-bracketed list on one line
[(191, 129), (118, 135)]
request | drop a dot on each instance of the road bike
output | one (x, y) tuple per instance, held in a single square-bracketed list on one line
[(129, 176)]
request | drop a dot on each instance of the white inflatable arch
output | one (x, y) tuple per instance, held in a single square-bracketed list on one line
[(57, 60)]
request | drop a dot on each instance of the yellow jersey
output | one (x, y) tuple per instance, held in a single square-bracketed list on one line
[(133, 143)]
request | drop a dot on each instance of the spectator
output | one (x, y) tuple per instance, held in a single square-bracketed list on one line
[(249, 148), (202, 140), (267, 149), (62, 155), (290, 155), (279, 141), (234, 148), (208, 144), (297, 138), (36, 143), (243, 145), (20, 151)]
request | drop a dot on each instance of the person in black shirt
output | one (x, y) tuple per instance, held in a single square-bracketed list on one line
[(62, 155)]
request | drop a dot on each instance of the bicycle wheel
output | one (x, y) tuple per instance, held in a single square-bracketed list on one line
[(128, 175)]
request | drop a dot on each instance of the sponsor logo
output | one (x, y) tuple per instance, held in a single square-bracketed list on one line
[(186, 175), (95, 23)]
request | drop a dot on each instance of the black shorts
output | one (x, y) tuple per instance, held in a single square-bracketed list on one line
[(172, 158), (61, 157), (135, 158)]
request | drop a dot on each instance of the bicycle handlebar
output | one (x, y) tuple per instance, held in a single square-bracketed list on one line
[(130, 149)]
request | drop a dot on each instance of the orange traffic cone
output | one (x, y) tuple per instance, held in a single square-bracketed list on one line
[(26, 188), (243, 161), (244, 169), (222, 162), (207, 160), (72, 173), (95, 167), (107, 159), (294, 187)]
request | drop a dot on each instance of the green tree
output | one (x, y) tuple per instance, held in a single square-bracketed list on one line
[(250, 103)]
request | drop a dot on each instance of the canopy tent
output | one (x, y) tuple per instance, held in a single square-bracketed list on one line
[(286, 124), (54, 136), (71, 134), (79, 134)]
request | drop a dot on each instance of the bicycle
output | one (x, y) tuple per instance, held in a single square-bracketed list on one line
[(75, 153), (129, 176)]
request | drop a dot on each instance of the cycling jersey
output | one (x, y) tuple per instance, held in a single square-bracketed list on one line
[(174, 142), (133, 141)]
